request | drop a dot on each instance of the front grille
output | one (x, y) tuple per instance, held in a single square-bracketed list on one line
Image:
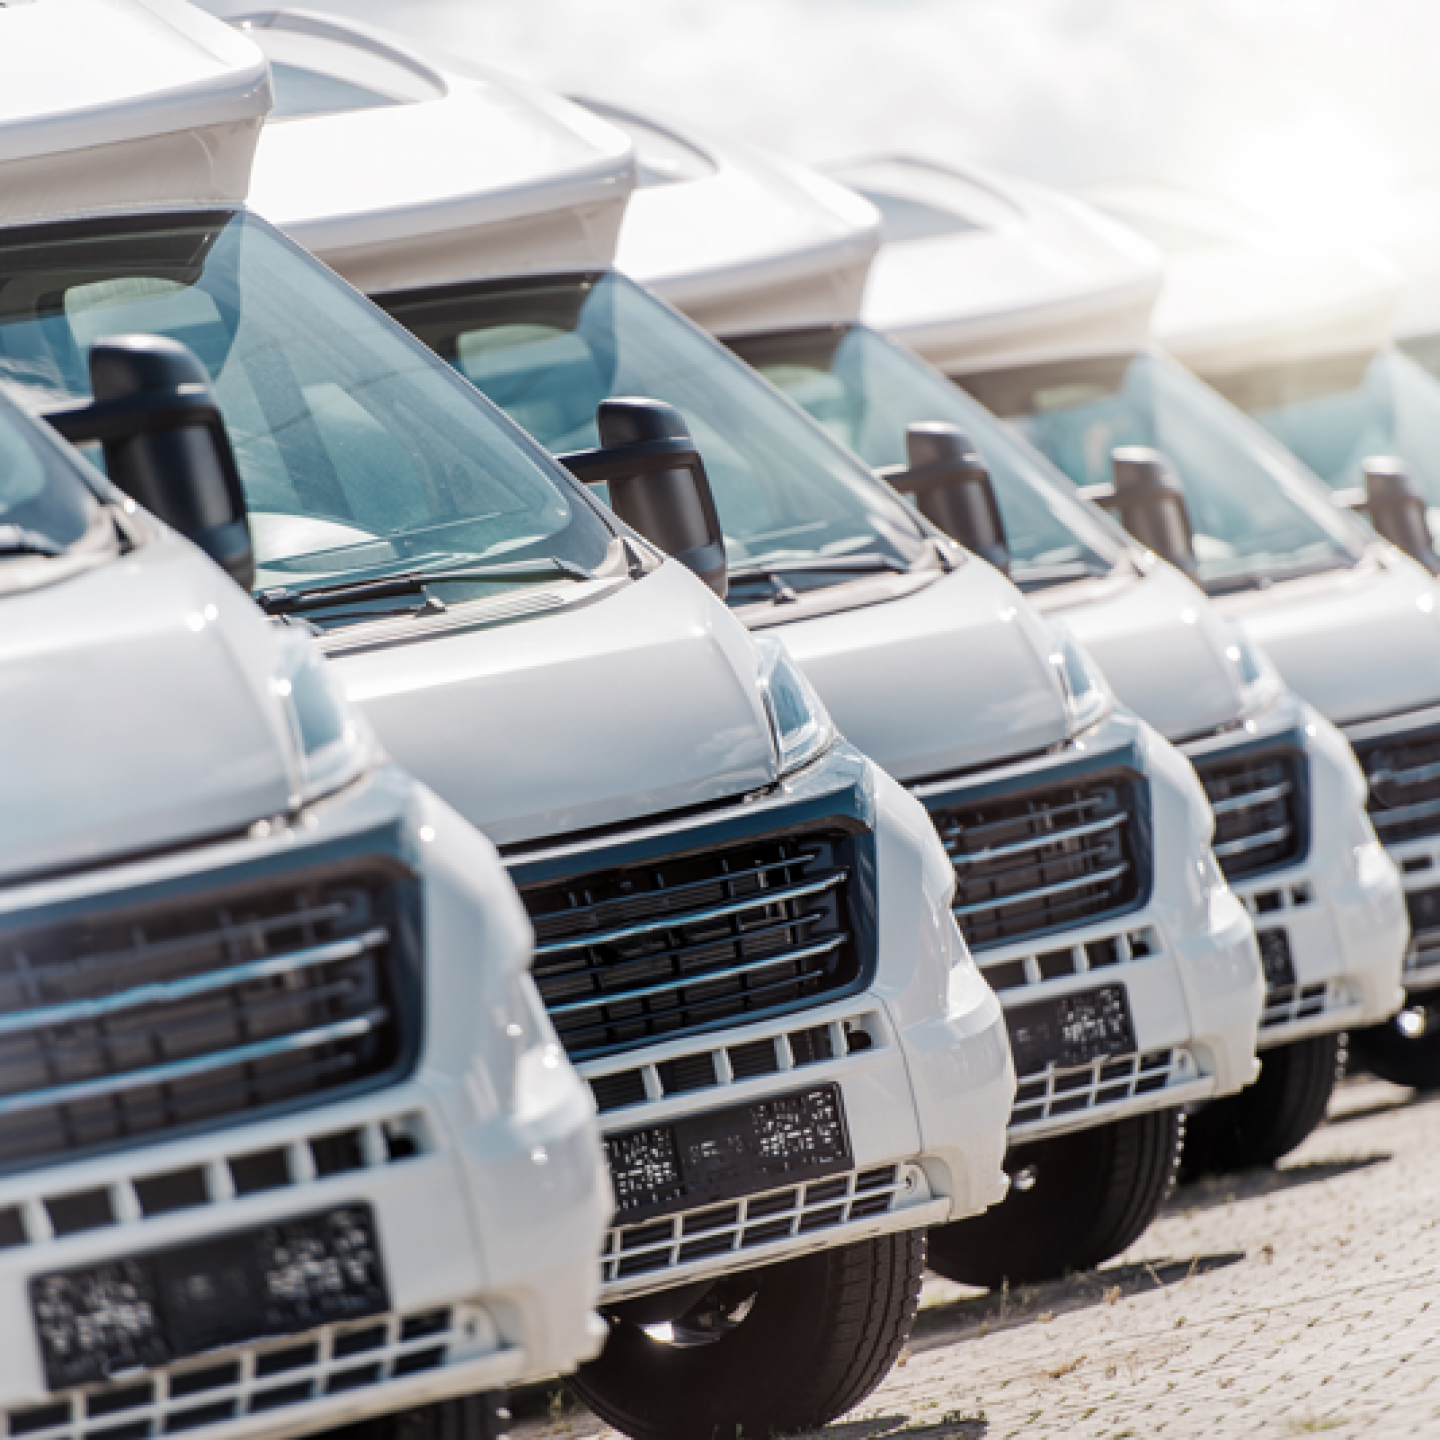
[(1404, 776), (1259, 804), (194, 1012), (1104, 1082), (660, 950), (1046, 861)]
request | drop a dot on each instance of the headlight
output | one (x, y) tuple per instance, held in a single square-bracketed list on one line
[(799, 722), (1088, 695), (1260, 682), (331, 743)]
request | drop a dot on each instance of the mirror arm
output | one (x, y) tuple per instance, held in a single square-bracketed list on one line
[(620, 462)]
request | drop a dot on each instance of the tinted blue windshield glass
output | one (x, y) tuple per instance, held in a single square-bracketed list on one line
[(358, 451), (42, 493), (549, 350), (866, 390), (1255, 511), (1336, 412)]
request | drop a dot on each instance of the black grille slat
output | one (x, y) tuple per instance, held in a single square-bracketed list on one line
[(660, 950), (1034, 864), (1258, 801), (197, 1010), (1404, 776)]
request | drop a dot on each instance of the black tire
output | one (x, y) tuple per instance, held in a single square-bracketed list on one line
[(819, 1334), (1403, 1055), (467, 1417), (1085, 1198), (1268, 1119)]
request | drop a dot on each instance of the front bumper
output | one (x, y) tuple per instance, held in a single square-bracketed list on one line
[(1331, 923), (488, 1208), (1183, 950), (918, 1051)]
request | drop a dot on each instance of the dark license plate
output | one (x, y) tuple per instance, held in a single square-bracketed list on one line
[(724, 1154), (135, 1314), (1071, 1030)]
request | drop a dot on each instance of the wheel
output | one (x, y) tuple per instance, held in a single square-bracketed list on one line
[(467, 1417), (781, 1349), (1271, 1117), (1074, 1202), (1405, 1050)]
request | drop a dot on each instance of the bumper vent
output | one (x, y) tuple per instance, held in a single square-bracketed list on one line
[(1046, 861), (660, 950), (1260, 811), (1404, 776), (197, 1012)]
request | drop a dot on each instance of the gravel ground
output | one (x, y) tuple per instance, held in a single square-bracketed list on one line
[(1275, 1303)]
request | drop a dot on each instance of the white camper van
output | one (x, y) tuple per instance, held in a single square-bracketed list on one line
[(1281, 780), (1079, 839), (286, 1139), (1039, 306), (742, 926)]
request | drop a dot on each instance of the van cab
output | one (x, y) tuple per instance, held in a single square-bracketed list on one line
[(1060, 351), (1077, 840), (742, 927), (287, 1140)]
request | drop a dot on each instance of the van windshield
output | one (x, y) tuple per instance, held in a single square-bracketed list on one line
[(45, 504), (1257, 514), (866, 390), (549, 350), (1338, 411), (359, 453)]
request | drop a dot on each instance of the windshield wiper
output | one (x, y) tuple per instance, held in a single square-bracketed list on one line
[(17, 540), (840, 565), (1037, 577), (284, 600)]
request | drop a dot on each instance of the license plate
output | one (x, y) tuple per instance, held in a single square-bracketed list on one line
[(724, 1154), (149, 1310), (1071, 1030), (1275, 959)]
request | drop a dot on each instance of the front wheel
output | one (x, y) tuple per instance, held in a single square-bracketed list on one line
[(1075, 1202), (1268, 1119), (778, 1350), (1405, 1050)]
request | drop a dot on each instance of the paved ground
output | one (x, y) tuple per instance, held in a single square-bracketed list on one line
[(1300, 1301)]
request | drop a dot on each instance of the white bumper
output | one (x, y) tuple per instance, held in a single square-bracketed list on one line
[(488, 1211), (1185, 957), (920, 1058), (1332, 927)]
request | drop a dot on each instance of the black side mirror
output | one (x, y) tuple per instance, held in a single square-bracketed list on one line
[(1396, 507), (658, 485), (165, 443), (1150, 502), (953, 489)]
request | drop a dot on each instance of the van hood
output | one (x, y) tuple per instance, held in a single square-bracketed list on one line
[(641, 702), (1358, 644), (953, 676), (1160, 642), (136, 712)]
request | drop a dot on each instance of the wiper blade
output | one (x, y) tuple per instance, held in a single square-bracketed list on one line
[(17, 540), (284, 600), (1035, 577), (840, 565)]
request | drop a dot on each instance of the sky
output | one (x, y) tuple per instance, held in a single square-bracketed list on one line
[(1308, 111)]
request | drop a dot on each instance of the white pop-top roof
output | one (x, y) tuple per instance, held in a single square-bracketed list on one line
[(1237, 296), (738, 238), (108, 104), (400, 172), (982, 272)]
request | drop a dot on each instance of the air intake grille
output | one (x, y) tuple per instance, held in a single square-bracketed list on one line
[(196, 1012), (1044, 862), (660, 950), (1259, 804), (1404, 775)]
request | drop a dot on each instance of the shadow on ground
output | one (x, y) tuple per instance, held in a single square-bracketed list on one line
[(995, 1310), (1211, 1190), (955, 1425)]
